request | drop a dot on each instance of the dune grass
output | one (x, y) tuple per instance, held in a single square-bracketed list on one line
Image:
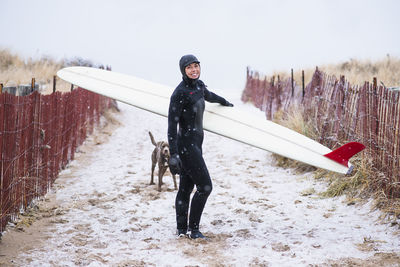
[(356, 71), (15, 70)]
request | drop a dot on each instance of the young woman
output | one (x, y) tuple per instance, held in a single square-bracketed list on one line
[(186, 110)]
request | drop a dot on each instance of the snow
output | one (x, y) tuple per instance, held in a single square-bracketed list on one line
[(256, 215)]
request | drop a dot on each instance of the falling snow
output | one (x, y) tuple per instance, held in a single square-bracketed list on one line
[(257, 214)]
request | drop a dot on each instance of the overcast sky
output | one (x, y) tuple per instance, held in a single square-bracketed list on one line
[(147, 38)]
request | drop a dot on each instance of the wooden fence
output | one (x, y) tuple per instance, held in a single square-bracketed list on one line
[(341, 112), (38, 137)]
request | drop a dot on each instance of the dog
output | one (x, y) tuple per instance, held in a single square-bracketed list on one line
[(161, 157)]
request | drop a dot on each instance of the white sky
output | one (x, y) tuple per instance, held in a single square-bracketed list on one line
[(147, 38)]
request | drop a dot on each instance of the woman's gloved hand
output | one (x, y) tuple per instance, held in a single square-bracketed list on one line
[(227, 104), (175, 164)]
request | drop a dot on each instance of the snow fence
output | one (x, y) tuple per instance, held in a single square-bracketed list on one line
[(340, 112), (38, 137)]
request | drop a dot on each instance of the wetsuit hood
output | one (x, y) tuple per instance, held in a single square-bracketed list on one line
[(185, 61)]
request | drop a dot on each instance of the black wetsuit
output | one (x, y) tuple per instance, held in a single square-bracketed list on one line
[(186, 109)]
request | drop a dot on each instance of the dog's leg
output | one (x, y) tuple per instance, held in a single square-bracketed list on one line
[(162, 172), (160, 175), (153, 166)]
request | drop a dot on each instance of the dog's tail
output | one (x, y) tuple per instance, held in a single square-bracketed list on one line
[(152, 139)]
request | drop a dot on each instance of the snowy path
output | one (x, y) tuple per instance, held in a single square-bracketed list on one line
[(256, 214)]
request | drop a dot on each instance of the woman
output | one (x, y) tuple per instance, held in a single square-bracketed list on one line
[(186, 109)]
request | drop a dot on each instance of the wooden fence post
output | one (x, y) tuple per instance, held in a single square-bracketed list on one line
[(1, 88), (375, 104), (72, 87), (33, 85), (292, 84), (54, 83), (302, 81)]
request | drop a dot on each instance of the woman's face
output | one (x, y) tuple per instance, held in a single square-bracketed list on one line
[(193, 71)]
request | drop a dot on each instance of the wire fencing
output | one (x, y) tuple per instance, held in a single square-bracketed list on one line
[(340, 112), (38, 137)]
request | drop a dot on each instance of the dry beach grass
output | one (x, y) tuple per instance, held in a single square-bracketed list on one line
[(356, 71), (15, 70)]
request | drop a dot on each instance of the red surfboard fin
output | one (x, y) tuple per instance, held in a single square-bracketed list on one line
[(342, 154)]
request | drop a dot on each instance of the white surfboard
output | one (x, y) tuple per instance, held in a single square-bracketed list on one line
[(226, 121)]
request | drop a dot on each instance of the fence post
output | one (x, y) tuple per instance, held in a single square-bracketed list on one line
[(1, 88), (375, 105), (54, 83), (72, 87), (292, 84), (33, 85), (302, 81)]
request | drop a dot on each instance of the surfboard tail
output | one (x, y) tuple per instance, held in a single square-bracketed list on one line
[(342, 154)]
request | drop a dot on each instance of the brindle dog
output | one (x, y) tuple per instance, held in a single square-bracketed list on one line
[(160, 156)]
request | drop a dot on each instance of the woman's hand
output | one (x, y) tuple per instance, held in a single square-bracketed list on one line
[(227, 104), (175, 164)]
